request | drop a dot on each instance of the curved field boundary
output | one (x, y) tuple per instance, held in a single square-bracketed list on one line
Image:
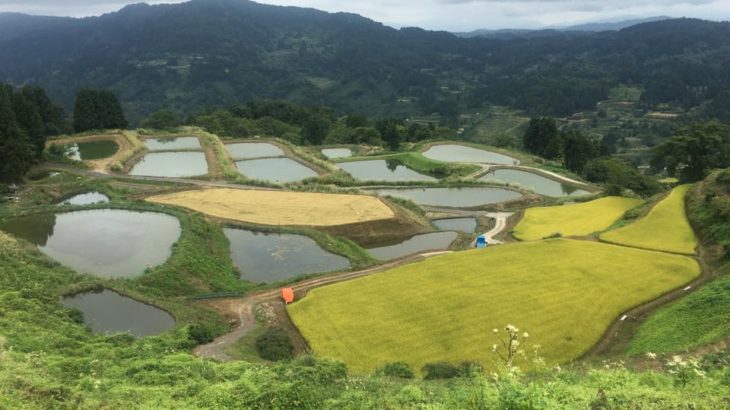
[(244, 307), (581, 286), (665, 228), (577, 219)]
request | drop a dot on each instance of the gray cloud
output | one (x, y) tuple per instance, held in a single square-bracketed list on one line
[(455, 15)]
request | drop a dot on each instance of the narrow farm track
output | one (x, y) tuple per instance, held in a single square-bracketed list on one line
[(245, 306), (617, 336)]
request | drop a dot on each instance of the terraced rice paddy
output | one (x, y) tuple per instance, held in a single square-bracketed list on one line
[(665, 228), (573, 219), (280, 207), (564, 294)]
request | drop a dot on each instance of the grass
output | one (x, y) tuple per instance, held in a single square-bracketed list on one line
[(573, 219), (280, 207), (665, 228), (565, 293), (700, 318)]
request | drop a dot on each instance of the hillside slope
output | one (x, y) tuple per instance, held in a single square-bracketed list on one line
[(201, 53)]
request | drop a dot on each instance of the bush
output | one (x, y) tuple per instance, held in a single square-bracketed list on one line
[(724, 177), (274, 344), (440, 370), (200, 333), (397, 369)]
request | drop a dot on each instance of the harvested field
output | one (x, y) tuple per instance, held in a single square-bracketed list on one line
[(573, 219), (268, 207), (665, 228), (565, 293)]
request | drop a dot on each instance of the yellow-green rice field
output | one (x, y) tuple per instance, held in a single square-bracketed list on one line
[(563, 292), (665, 228), (573, 219)]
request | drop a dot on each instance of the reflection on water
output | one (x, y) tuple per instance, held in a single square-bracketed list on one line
[(104, 242), (416, 244), (270, 257), (534, 182), (110, 312)]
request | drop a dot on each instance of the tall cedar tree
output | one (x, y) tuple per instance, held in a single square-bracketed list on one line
[(29, 119), (578, 149), (390, 133), (16, 154), (543, 138), (97, 109), (54, 121)]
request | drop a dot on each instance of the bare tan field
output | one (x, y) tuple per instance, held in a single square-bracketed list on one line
[(280, 207)]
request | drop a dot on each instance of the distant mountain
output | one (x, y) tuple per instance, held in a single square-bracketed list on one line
[(207, 53), (589, 27), (612, 25)]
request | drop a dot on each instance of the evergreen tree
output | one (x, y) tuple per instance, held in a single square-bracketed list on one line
[(542, 138), (390, 133), (578, 150), (53, 117), (16, 155), (28, 117), (97, 109), (315, 129)]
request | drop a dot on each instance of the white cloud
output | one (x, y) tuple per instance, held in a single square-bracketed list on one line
[(453, 15)]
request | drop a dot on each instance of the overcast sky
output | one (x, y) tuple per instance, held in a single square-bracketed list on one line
[(452, 15)]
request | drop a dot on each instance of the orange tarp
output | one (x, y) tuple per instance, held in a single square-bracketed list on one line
[(287, 294)]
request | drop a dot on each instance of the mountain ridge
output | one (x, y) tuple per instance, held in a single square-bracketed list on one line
[(199, 54)]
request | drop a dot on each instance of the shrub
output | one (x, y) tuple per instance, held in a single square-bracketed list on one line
[(724, 176), (274, 344), (200, 333), (440, 370), (397, 369)]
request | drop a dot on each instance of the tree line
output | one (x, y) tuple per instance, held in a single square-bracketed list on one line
[(303, 124), (586, 156), (28, 117)]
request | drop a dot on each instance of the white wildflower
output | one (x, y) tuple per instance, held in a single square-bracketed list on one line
[(651, 355)]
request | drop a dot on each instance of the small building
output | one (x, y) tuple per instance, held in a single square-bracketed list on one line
[(287, 295), (481, 242)]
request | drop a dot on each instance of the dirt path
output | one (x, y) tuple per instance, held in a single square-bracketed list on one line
[(244, 307), (617, 336), (500, 223)]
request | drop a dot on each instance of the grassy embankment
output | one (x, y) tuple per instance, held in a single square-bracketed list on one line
[(49, 360), (703, 316), (573, 219), (444, 308), (665, 228)]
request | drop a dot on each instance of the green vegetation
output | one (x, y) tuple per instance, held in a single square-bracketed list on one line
[(701, 317), (696, 320), (442, 309), (665, 228), (573, 219), (49, 360), (97, 110), (274, 345), (709, 209), (694, 150), (27, 117)]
